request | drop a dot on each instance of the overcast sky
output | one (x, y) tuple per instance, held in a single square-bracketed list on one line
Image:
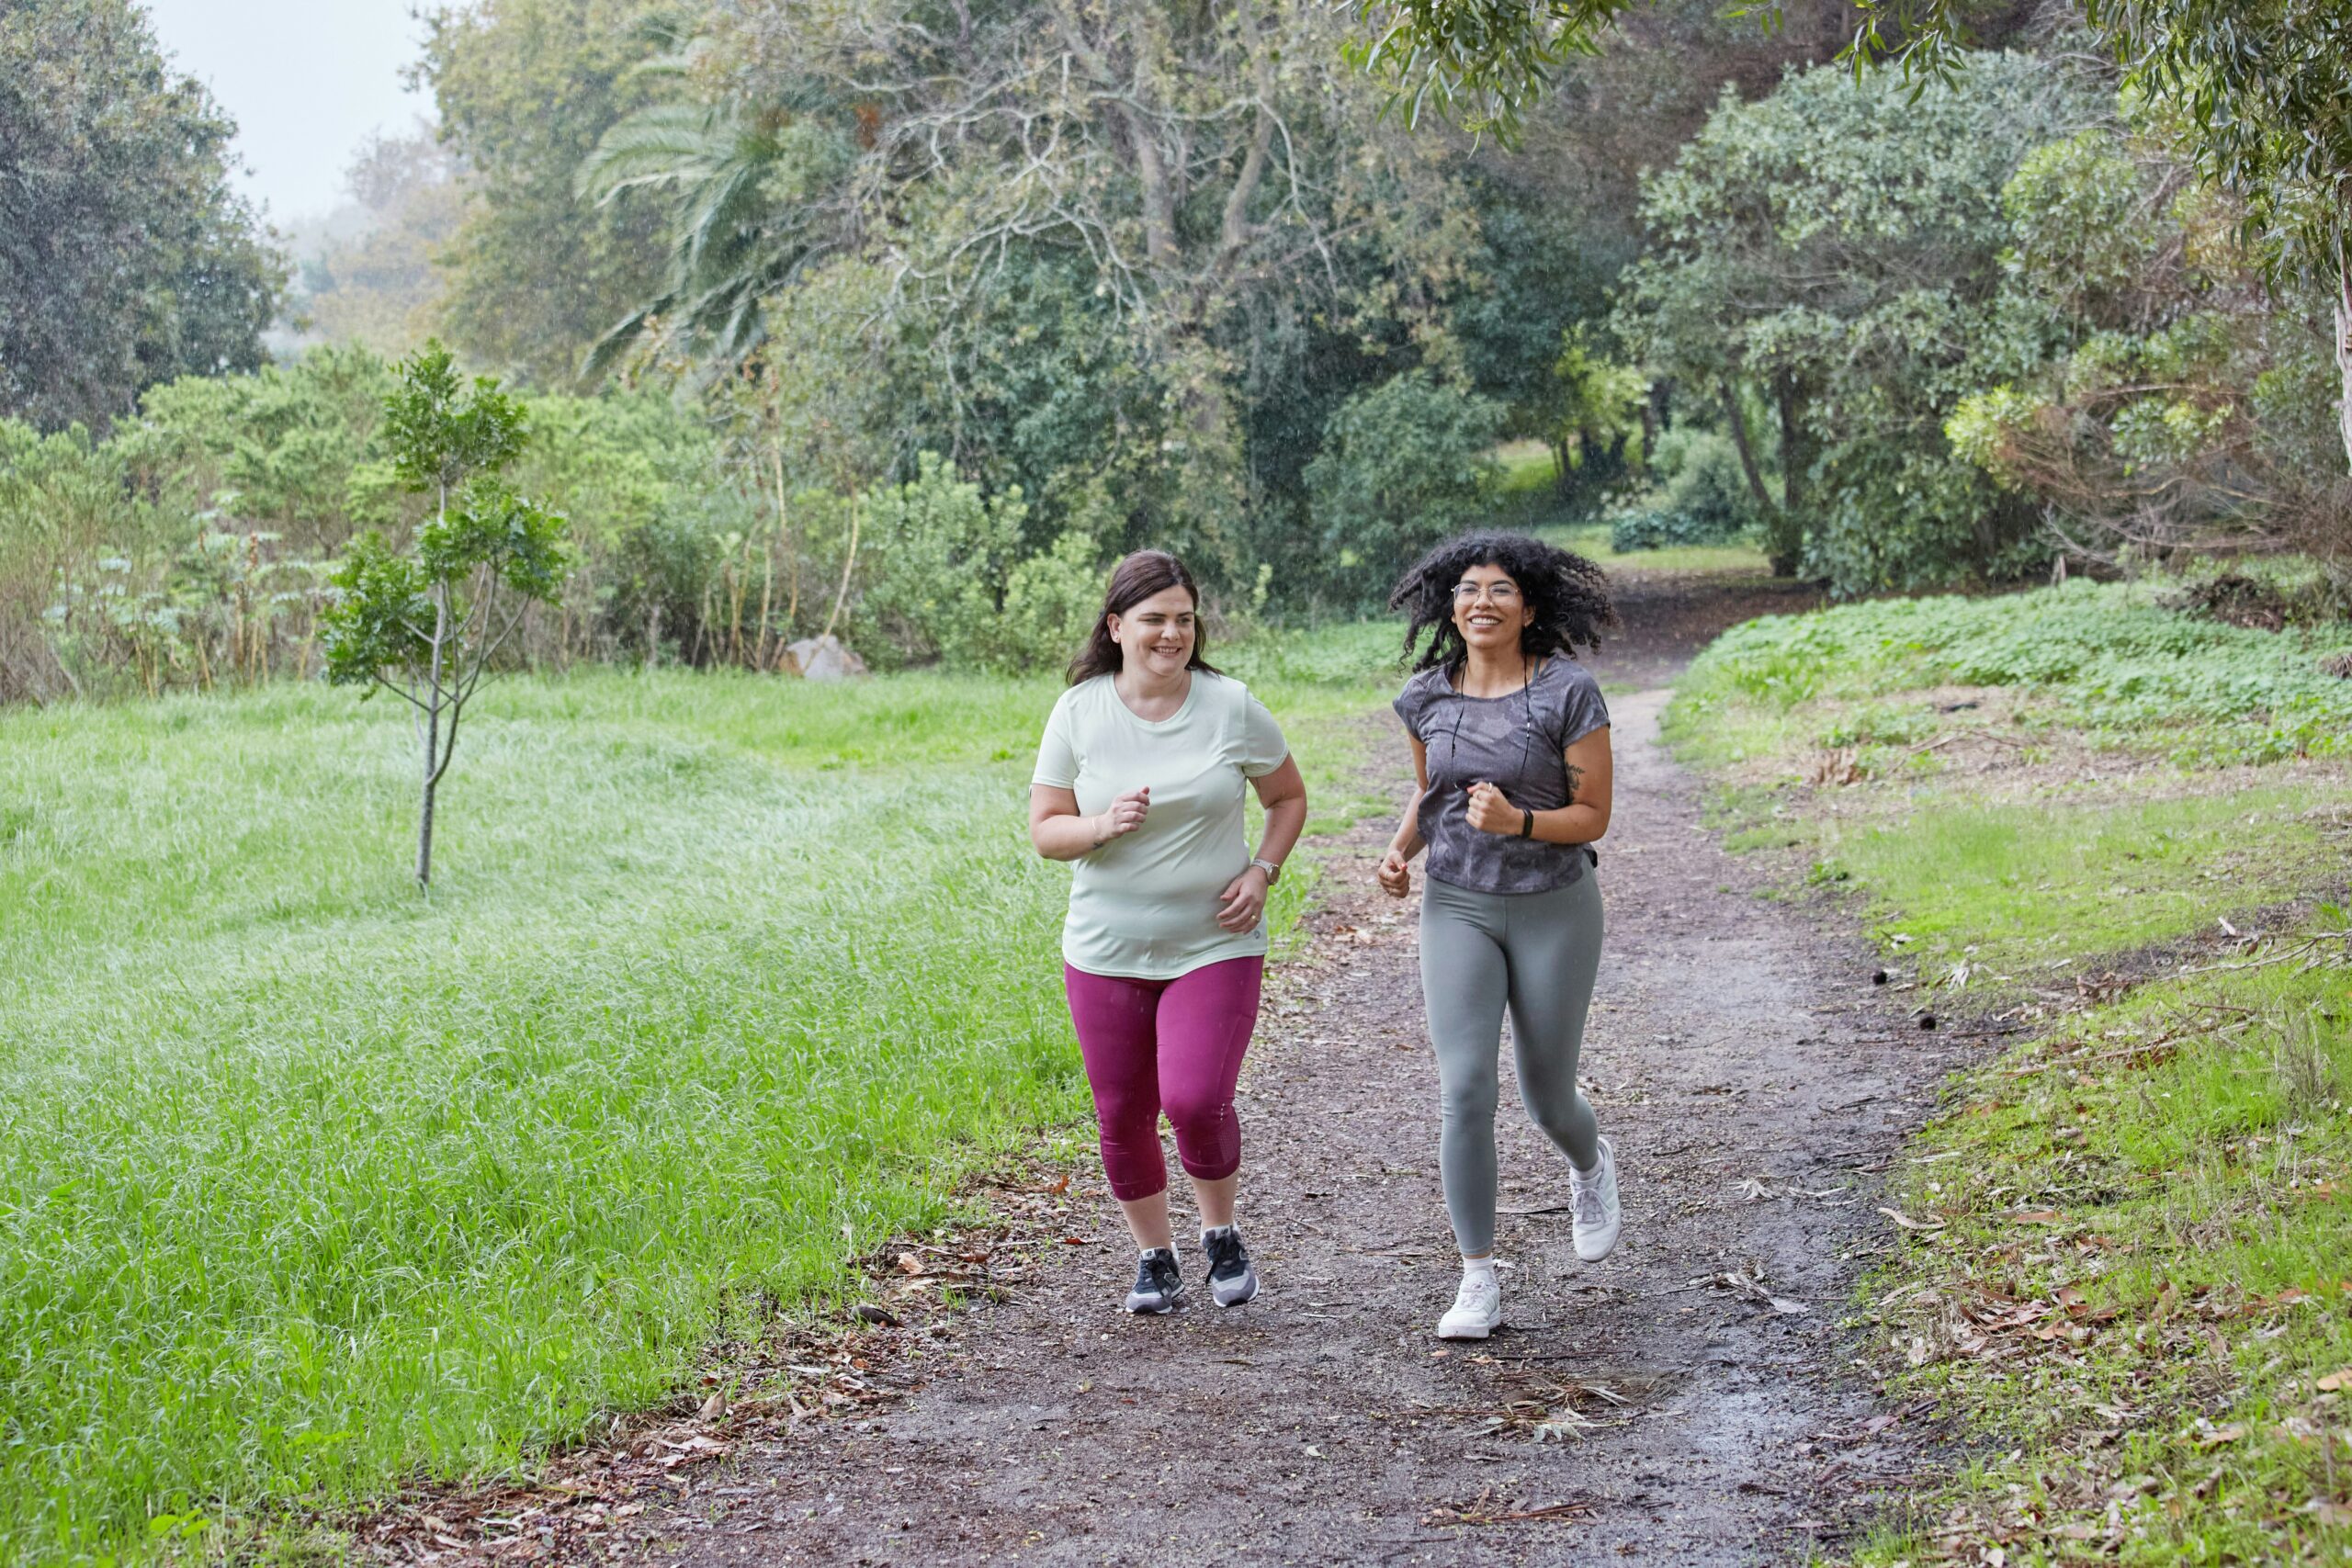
[(305, 81)]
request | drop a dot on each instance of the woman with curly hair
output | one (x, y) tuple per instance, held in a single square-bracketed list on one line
[(1510, 740)]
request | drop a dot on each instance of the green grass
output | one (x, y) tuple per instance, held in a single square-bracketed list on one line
[(1528, 466), (309, 1185), (2143, 1210), (1528, 505), (1590, 541), (2145, 1270), (2014, 885), (2102, 661)]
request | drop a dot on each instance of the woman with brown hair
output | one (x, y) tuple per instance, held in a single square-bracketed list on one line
[(1140, 781)]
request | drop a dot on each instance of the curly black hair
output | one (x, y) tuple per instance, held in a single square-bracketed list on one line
[(1567, 592)]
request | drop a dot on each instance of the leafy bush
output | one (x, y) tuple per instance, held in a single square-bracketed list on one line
[(1704, 497), (1050, 601), (946, 580), (1403, 465)]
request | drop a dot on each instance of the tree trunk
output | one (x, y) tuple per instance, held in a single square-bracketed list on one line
[(1786, 546), (1784, 528), (2343, 350), (432, 738), (424, 835), (849, 564)]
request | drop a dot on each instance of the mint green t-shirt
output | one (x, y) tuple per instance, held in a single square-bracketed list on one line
[(1144, 906)]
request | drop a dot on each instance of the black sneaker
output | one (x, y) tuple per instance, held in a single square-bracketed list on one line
[(1231, 1279), (1157, 1285)]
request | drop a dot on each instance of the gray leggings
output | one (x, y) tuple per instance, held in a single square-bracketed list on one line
[(1539, 952)]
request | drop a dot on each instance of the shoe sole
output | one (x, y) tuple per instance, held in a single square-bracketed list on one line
[(1143, 1306), (1245, 1291), (1470, 1333)]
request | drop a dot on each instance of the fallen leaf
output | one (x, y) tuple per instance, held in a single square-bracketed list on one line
[(2336, 1380), (2037, 1216), (910, 1263), (1907, 1223), (713, 1408), (2220, 1435)]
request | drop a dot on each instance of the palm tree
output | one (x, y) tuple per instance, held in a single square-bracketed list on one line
[(752, 186)]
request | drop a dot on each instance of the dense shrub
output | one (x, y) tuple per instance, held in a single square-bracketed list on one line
[(1402, 466), (945, 579), (1704, 497)]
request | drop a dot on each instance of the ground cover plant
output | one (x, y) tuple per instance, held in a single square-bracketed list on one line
[(2113, 836), (309, 1184)]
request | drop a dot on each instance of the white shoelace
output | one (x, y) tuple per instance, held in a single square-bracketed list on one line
[(1584, 1198)]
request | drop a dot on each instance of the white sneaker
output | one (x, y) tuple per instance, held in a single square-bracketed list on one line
[(1478, 1311), (1594, 1213)]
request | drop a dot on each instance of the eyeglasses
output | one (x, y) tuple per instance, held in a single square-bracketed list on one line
[(1497, 594)]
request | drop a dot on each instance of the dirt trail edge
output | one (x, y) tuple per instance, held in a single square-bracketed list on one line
[(1687, 1401)]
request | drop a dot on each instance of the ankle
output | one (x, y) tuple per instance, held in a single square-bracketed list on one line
[(1481, 1269)]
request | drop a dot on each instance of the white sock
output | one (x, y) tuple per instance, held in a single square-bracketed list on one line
[(1208, 1231), (1480, 1270)]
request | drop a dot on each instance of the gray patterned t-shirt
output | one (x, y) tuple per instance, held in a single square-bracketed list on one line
[(1515, 742)]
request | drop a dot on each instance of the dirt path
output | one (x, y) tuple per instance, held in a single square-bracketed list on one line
[(1731, 1045)]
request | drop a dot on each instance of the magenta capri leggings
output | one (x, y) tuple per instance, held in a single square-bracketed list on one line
[(1172, 1045)]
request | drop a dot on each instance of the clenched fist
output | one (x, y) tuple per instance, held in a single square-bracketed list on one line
[(1126, 815), (1490, 813)]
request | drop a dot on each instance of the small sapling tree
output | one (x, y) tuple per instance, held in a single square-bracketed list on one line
[(424, 624)]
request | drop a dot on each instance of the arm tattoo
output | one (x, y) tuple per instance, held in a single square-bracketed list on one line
[(1576, 782)]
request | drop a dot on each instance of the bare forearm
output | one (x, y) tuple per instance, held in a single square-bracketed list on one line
[(1285, 820), (1573, 824), (1069, 837), (1407, 840)]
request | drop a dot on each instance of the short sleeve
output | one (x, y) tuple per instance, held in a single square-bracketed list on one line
[(1057, 756), (1409, 703), (1262, 747), (1582, 709)]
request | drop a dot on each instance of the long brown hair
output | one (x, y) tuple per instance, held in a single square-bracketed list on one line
[(1133, 581)]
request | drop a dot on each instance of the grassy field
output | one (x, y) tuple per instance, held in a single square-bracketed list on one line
[(2124, 835), (1528, 505), (309, 1184)]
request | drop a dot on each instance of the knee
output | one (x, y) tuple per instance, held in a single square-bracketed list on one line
[(1470, 1102), (1198, 1116), (1127, 1117)]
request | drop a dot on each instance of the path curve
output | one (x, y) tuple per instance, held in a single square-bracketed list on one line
[(1731, 1044)]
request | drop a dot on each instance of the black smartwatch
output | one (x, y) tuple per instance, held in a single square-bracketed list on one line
[(1527, 827)]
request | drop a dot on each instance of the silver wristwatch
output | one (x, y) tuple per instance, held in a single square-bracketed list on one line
[(1273, 872)]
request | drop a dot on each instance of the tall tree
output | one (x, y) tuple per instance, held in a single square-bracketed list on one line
[(525, 88), (1830, 254), (371, 274), (2267, 84), (125, 258), (1174, 203)]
